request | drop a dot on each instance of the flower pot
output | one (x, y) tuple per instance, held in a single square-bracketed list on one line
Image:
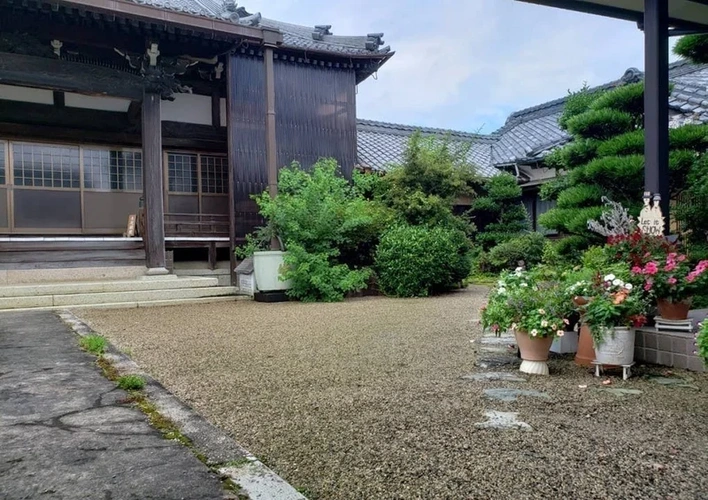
[(266, 268), (586, 352), (673, 310), (534, 353), (617, 347)]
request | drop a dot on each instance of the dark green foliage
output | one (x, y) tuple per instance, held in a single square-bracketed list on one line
[(694, 137), (580, 195), (499, 214), (317, 277), (627, 99), (680, 162), (552, 189), (692, 208), (416, 261), (527, 248), (577, 103), (631, 143), (574, 154), (622, 174), (693, 47), (600, 124)]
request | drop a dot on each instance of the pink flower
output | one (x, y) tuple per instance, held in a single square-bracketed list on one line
[(565, 320), (671, 256), (681, 258), (672, 281), (691, 276), (636, 270), (651, 268), (648, 286), (670, 266)]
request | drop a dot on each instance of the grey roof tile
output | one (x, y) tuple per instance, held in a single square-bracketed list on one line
[(294, 36)]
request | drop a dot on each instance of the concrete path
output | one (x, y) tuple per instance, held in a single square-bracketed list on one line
[(66, 432)]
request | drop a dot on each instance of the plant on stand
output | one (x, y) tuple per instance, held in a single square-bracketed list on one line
[(533, 309), (615, 307)]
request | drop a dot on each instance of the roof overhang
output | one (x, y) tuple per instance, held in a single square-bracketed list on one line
[(154, 15), (684, 15)]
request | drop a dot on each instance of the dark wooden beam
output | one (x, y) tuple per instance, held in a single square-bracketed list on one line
[(153, 185), (656, 102), (59, 75), (216, 108), (59, 99), (231, 106)]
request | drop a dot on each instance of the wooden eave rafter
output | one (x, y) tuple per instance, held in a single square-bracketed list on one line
[(676, 26)]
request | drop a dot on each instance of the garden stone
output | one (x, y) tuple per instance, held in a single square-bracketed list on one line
[(495, 361), (621, 392), (674, 382), (513, 394), (494, 376), (502, 420)]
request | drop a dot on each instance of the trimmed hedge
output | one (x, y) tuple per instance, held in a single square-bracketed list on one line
[(600, 124), (693, 47)]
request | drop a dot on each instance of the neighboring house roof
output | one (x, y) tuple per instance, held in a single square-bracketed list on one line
[(311, 38), (530, 134)]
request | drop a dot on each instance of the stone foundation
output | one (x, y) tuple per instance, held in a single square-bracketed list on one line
[(674, 349)]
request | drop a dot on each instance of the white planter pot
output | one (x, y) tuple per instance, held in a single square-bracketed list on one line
[(266, 268), (566, 344), (617, 347)]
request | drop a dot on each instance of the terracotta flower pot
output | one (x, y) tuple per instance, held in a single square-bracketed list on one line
[(586, 352), (673, 310), (534, 353)]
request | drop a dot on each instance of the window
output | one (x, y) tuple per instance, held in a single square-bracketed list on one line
[(182, 173), (215, 177), (43, 165), (2, 163), (113, 170)]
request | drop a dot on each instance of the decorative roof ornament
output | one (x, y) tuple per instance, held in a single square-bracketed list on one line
[(632, 75), (320, 31), (374, 41), (238, 15)]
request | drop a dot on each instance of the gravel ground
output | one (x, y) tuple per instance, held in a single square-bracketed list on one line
[(365, 400)]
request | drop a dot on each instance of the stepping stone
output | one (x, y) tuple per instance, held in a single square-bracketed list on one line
[(486, 362), (513, 394), (493, 376), (500, 341), (620, 392), (674, 382), (502, 420)]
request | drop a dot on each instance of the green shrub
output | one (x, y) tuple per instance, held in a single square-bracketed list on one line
[(693, 47), (499, 213), (702, 342), (600, 124), (131, 382), (416, 261), (577, 103), (595, 258), (317, 277), (580, 195), (693, 137), (528, 248), (626, 98), (95, 344), (631, 143)]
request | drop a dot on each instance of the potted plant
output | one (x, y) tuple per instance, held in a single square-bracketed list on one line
[(268, 252), (578, 292), (615, 307), (673, 282), (533, 310)]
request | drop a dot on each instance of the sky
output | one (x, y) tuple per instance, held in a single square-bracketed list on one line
[(467, 64)]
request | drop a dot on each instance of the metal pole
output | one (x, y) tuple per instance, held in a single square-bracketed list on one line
[(656, 102)]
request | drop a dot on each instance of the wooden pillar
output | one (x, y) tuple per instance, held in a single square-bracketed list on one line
[(656, 102), (231, 69), (153, 184), (271, 150)]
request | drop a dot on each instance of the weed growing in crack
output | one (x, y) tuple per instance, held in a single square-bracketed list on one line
[(95, 344), (131, 382)]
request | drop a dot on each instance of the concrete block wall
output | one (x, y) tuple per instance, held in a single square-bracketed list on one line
[(674, 349)]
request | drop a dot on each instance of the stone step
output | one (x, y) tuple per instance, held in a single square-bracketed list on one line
[(134, 305), (128, 297), (92, 287)]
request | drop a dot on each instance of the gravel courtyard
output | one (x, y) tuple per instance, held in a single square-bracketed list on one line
[(365, 400)]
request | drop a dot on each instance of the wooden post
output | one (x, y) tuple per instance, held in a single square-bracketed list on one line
[(656, 102), (271, 151), (153, 184), (231, 69)]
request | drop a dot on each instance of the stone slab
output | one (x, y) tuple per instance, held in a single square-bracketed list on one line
[(494, 376), (674, 382), (67, 432), (503, 420), (506, 394), (620, 392)]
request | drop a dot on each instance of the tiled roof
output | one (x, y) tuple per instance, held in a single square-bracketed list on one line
[(312, 38), (530, 134), (382, 144)]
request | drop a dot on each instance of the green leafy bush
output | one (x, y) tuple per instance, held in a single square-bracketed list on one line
[(631, 143), (498, 213), (317, 277), (95, 344), (416, 261), (693, 47), (600, 124), (131, 382), (627, 99), (577, 103), (702, 342), (527, 248)]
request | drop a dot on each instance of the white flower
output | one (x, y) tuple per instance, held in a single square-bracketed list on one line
[(544, 323), (519, 270), (524, 285), (618, 282), (541, 311), (514, 326), (610, 277), (501, 291), (501, 284), (628, 286), (560, 333), (534, 332)]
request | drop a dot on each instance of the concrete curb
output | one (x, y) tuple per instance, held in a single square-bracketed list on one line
[(256, 480)]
